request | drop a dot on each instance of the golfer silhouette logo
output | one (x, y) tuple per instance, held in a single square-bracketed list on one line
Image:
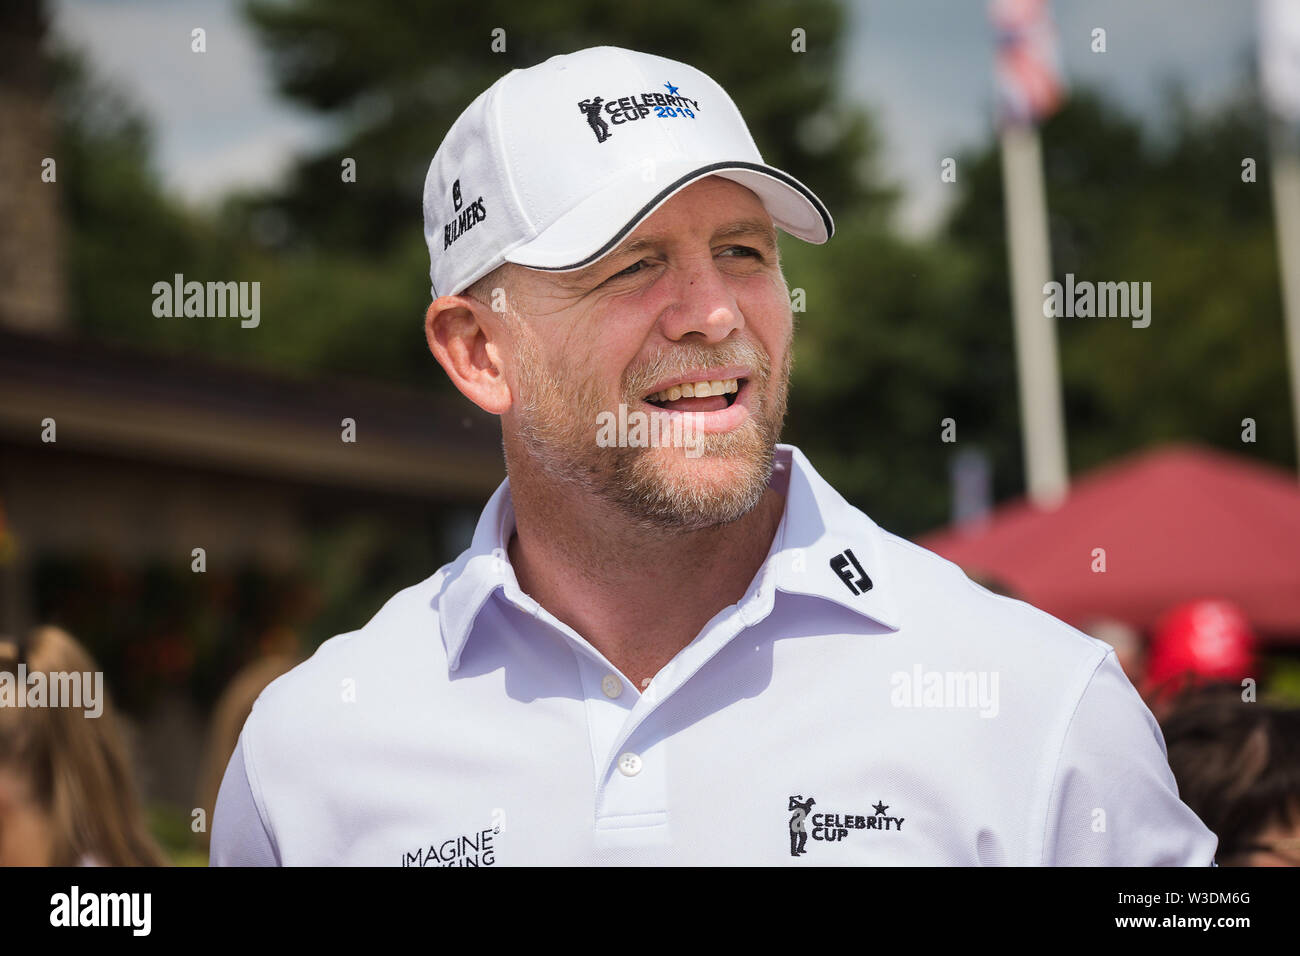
[(798, 831), (598, 125)]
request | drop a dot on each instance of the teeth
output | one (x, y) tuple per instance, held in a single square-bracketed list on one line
[(696, 390)]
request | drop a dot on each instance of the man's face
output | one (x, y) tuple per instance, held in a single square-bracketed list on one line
[(695, 294)]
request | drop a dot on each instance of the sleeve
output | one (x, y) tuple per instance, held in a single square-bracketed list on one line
[(1114, 800), (240, 837)]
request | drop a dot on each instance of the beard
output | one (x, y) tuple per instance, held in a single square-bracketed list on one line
[(654, 488)]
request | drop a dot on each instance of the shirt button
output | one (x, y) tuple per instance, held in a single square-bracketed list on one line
[(629, 765), (611, 685)]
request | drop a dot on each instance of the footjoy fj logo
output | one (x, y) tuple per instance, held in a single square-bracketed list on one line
[(635, 106), (832, 827), (859, 584), (467, 220), (477, 849)]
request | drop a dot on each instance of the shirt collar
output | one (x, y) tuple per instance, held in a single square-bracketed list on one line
[(828, 549), (823, 547)]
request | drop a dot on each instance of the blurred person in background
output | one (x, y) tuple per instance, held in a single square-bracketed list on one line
[(998, 585), (1126, 641), (1194, 644), (1237, 764), (279, 654), (67, 796)]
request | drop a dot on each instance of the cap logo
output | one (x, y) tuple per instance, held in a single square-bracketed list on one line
[(469, 217), (635, 106)]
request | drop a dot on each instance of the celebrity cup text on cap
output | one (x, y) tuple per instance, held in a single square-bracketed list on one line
[(552, 166)]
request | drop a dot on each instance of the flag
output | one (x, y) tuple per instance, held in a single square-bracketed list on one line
[(1028, 67)]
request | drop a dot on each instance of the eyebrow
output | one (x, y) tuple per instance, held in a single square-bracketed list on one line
[(754, 228), (749, 227)]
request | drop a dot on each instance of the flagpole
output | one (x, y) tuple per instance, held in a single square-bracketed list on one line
[(1041, 415), (1279, 68), (1286, 212), (1030, 88)]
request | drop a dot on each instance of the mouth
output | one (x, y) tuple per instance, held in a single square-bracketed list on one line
[(701, 395), (717, 403)]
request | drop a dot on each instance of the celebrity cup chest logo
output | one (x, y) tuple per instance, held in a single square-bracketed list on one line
[(635, 106), (834, 827)]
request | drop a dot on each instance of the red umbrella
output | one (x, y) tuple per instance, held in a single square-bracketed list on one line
[(1173, 524)]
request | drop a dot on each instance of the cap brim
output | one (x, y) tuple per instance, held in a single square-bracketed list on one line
[(582, 235)]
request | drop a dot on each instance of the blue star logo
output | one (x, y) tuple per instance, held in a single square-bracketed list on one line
[(672, 90)]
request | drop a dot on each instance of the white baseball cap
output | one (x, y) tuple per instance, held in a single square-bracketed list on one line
[(552, 166)]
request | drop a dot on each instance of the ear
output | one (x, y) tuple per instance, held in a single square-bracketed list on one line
[(467, 344)]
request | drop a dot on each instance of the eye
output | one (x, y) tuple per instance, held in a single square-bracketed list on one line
[(745, 251), (630, 270)]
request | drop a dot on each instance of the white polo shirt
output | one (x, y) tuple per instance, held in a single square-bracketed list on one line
[(864, 703)]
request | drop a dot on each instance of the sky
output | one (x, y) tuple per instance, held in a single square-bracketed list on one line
[(925, 68), (225, 125), (922, 67)]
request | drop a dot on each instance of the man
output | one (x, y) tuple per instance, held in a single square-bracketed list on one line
[(651, 646)]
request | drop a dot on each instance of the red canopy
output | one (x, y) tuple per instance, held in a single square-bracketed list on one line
[(1176, 523)]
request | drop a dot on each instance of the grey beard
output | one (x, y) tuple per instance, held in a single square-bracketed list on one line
[(561, 445)]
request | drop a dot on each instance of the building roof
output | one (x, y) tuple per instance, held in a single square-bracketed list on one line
[(129, 402), (1176, 523)]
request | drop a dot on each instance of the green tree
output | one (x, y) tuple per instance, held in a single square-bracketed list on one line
[(352, 268), (397, 75), (124, 234), (1175, 212), (899, 336)]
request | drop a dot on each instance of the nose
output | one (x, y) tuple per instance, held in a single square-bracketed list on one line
[(703, 303)]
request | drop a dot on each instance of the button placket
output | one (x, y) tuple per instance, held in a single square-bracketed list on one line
[(632, 805)]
